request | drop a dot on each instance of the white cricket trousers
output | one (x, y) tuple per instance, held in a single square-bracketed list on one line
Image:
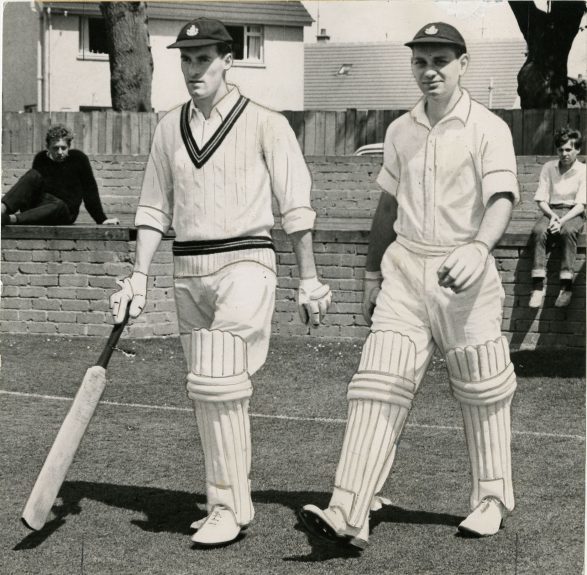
[(412, 303), (239, 299)]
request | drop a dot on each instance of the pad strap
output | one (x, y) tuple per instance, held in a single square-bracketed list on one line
[(379, 387), (203, 388), (485, 391)]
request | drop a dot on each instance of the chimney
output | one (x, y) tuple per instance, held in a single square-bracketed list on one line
[(322, 38)]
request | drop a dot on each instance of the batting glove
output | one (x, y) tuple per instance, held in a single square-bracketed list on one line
[(463, 266), (314, 298), (132, 290), (371, 288)]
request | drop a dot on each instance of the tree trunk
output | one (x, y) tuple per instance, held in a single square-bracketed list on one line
[(542, 80), (131, 62)]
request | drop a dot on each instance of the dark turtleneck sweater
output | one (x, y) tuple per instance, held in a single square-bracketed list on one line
[(71, 181)]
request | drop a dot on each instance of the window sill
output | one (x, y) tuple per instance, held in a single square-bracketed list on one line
[(93, 57), (248, 64)]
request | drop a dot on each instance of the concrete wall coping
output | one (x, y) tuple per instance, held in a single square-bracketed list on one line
[(517, 234)]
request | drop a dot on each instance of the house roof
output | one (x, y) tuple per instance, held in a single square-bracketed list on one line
[(288, 13), (380, 76)]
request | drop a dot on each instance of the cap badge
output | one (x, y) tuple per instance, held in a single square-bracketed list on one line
[(192, 31), (431, 30)]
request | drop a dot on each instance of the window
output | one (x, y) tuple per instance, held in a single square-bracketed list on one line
[(92, 39), (247, 43)]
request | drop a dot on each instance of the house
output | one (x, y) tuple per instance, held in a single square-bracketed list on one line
[(377, 75), (54, 55)]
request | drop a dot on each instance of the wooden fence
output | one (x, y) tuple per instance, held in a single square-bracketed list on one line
[(319, 133)]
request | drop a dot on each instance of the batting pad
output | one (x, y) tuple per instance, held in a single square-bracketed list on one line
[(220, 388), (483, 381), (380, 396)]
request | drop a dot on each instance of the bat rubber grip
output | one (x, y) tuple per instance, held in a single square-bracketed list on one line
[(112, 341)]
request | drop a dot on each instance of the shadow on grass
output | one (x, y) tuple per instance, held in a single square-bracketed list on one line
[(554, 362), (171, 511)]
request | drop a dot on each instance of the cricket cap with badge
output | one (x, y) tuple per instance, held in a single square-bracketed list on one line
[(202, 32), (438, 33)]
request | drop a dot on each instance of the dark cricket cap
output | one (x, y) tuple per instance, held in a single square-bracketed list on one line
[(202, 32), (438, 33)]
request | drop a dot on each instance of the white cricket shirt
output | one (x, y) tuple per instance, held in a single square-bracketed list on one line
[(443, 176), (556, 188)]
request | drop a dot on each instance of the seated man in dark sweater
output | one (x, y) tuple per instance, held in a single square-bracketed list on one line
[(52, 191)]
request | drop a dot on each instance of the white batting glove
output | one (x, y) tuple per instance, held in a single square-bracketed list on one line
[(314, 298), (463, 266), (371, 288), (132, 290)]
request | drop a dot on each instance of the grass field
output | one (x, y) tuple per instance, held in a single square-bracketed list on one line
[(136, 483)]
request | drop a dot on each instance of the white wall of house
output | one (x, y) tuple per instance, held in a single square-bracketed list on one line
[(278, 83), (19, 60), (74, 81)]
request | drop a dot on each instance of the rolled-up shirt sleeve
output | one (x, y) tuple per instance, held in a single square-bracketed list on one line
[(290, 178), (155, 209), (389, 176), (499, 168), (543, 191)]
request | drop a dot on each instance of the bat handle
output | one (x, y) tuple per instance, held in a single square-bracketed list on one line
[(112, 341)]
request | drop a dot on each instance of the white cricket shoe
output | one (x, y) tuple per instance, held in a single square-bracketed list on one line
[(330, 525), (537, 298), (219, 527), (486, 518), (564, 298)]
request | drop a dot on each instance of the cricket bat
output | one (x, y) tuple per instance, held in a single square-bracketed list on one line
[(69, 436)]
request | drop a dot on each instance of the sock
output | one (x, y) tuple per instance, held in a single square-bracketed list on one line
[(538, 284), (566, 285)]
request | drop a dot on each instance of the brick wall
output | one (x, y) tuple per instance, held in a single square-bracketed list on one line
[(343, 186), (61, 286), (57, 280)]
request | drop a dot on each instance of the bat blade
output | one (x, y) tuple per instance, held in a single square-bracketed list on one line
[(64, 447)]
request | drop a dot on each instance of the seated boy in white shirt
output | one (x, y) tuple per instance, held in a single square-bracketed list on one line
[(561, 198)]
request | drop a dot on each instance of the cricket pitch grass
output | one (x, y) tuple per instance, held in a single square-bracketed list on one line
[(137, 481)]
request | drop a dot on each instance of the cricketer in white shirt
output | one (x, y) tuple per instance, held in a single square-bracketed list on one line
[(449, 184)]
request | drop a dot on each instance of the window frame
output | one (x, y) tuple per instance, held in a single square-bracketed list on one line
[(247, 61), (84, 42)]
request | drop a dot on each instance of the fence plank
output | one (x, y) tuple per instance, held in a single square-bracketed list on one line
[(330, 134), (134, 133), (27, 132), (518, 131), (350, 144), (371, 127), (101, 132), (38, 134), (117, 133), (319, 144), (145, 132), (309, 133), (8, 144), (298, 125), (544, 132), (340, 133), (379, 126), (125, 135), (583, 123), (361, 128), (561, 118), (109, 120)]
